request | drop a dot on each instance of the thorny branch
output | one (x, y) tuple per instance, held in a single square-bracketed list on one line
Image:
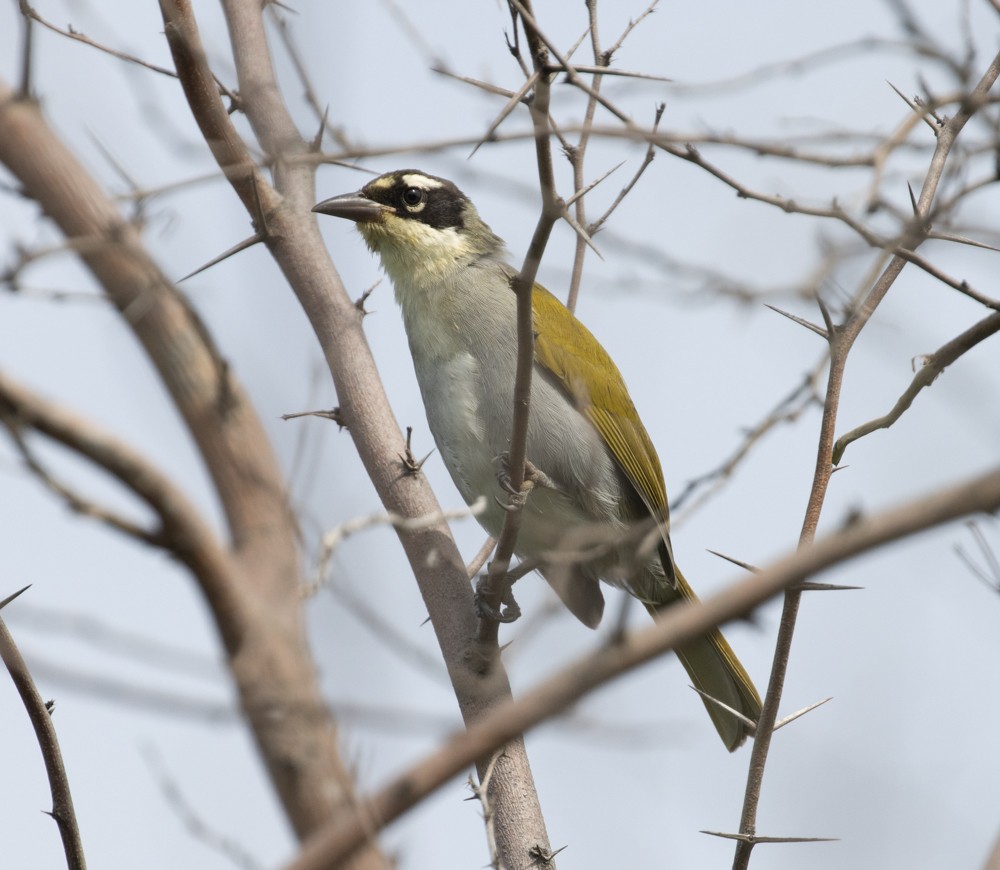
[(930, 367), (41, 720), (495, 591), (841, 340), (284, 221), (677, 625)]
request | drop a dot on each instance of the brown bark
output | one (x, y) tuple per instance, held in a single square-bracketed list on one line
[(255, 602)]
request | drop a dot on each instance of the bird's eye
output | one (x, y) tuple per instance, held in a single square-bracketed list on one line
[(413, 196)]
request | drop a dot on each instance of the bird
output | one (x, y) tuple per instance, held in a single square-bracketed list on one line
[(597, 479)]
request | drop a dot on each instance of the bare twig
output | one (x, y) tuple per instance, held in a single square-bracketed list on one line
[(841, 342), (474, 566), (990, 575), (960, 285), (646, 161), (930, 368), (512, 103), (29, 12), (309, 90), (196, 826), (76, 502), (576, 154), (183, 531), (494, 591), (481, 793), (104, 636), (788, 410), (45, 733), (333, 538)]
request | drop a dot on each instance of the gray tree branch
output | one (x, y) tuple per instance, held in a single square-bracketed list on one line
[(286, 225)]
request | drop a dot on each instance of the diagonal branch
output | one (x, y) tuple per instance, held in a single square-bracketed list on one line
[(183, 531), (931, 367), (678, 625), (45, 733)]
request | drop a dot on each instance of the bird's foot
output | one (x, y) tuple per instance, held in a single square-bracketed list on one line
[(533, 476), (509, 610)]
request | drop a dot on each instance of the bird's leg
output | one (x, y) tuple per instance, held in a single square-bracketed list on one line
[(533, 476), (509, 612)]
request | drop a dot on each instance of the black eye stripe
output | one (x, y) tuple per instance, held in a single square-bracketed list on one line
[(440, 205)]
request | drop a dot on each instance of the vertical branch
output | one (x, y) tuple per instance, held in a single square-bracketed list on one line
[(841, 340), (497, 587), (289, 230), (577, 157)]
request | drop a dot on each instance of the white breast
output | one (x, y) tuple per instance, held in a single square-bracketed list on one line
[(464, 346)]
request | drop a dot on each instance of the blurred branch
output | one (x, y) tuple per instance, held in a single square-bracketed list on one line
[(788, 410), (793, 66), (675, 627), (75, 501), (309, 90), (259, 617), (29, 12), (110, 639), (781, 149), (183, 531), (196, 826), (335, 536), (990, 574), (41, 720)]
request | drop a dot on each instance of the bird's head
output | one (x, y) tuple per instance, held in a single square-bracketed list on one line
[(422, 227)]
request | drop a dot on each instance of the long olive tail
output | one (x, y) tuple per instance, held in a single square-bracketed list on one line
[(714, 669)]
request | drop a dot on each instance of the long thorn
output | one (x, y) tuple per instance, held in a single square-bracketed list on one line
[(10, 598), (962, 240), (581, 232), (812, 327), (746, 720), (585, 190), (235, 249), (753, 569), (809, 586), (753, 838), (781, 723)]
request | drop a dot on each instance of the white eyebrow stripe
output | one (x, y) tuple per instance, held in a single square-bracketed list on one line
[(422, 181)]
